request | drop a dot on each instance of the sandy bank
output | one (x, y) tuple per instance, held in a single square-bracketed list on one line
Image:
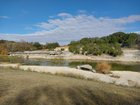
[(127, 56), (124, 78)]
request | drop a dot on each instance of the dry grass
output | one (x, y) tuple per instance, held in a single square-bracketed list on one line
[(11, 59), (31, 88), (103, 67), (70, 75)]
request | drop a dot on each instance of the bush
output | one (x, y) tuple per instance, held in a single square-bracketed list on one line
[(103, 67)]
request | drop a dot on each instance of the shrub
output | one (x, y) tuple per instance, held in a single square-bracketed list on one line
[(103, 67)]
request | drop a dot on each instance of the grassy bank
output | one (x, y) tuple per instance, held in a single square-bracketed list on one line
[(31, 88), (11, 59)]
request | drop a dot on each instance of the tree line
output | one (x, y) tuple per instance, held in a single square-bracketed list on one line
[(110, 44), (12, 46)]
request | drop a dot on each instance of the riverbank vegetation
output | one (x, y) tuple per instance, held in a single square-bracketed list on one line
[(110, 45)]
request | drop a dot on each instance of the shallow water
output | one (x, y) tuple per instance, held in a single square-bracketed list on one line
[(129, 66)]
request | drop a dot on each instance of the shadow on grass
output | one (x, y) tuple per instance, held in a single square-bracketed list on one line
[(55, 95)]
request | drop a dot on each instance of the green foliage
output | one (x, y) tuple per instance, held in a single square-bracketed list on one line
[(106, 45), (138, 42), (132, 40), (37, 45), (75, 47), (52, 46), (128, 40), (94, 50)]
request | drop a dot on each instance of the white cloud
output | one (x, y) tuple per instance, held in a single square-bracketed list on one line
[(68, 27), (4, 17), (63, 14), (82, 11), (138, 32), (125, 20)]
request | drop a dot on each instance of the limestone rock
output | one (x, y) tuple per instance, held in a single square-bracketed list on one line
[(86, 67)]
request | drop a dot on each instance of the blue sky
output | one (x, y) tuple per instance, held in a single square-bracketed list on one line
[(66, 20)]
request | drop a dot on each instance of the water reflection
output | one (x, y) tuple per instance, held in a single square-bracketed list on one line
[(73, 63)]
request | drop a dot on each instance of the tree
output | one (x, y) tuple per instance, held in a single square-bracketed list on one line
[(37, 45), (3, 50), (52, 46), (106, 45), (131, 41)]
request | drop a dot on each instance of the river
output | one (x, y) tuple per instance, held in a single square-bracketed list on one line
[(123, 66)]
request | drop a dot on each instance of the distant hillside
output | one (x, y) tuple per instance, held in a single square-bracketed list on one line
[(111, 44)]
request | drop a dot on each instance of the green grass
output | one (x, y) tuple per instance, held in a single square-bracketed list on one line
[(30, 88)]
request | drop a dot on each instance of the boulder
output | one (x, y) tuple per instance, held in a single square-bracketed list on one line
[(86, 67)]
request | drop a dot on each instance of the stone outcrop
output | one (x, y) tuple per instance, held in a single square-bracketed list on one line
[(86, 67)]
